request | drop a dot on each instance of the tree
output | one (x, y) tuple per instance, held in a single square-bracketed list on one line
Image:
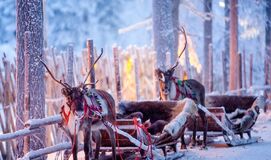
[(227, 46), (29, 17), (207, 41), (268, 42), (165, 31), (108, 24), (233, 43)]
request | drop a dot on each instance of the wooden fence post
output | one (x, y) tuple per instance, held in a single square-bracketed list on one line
[(70, 78), (187, 64), (90, 54), (224, 71), (117, 73), (210, 57), (239, 71), (136, 67), (251, 70), (244, 69)]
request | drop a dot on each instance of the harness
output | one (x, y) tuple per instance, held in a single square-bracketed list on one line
[(182, 89), (92, 108)]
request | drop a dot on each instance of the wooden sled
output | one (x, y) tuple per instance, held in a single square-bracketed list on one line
[(123, 143), (217, 127)]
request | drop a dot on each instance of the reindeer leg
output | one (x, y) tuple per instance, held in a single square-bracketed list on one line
[(67, 154), (205, 124), (183, 145), (112, 136), (193, 142), (87, 139), (249, 134), (74, 147), (98, 139)]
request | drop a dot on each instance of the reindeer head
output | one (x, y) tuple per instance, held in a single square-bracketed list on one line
[(73, 95), (165, 77)]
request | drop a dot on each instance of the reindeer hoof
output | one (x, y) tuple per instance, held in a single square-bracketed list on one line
[(183, 146), (203, 147), (192, 144)]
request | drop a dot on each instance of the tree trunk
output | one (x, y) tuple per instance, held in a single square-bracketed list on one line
[(117, 73), (268, 42), (233, 43), (90, 54), (164, 30), (175, 45), (227, 45), (207, 42), (70, 79), (29, 17)]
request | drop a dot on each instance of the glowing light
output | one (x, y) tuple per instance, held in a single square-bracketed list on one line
[(193, 57), (221, 4)]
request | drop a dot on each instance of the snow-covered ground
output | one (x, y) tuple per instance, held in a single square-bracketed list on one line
[(256, 151), (220, 151)]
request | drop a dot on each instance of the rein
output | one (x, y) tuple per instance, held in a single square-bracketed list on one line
[(142, 127)]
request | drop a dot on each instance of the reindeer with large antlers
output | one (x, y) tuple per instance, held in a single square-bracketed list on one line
[(172, 88), (86, 109)]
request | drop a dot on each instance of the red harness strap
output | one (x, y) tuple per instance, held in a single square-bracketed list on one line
[(65, 115), (178, 92), (140, 126)]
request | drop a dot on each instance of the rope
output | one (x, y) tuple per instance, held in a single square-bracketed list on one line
[(117, 140), (140, 126)]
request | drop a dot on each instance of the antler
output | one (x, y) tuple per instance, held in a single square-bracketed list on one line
[(66, 85), (185, 44), (93, 65)]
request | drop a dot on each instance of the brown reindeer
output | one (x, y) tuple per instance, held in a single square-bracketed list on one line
[(87, 109), (172, 88)]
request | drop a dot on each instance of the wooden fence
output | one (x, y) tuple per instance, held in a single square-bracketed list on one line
[(134, 80)]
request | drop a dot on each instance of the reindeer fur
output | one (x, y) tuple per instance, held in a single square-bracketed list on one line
[(159, 113)]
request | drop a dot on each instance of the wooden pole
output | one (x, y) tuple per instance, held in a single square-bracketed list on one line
[(90, 53), (137, 79), (117, 73), (233, 42), (187, 64), (251, 70), (244, 69), (4, 152), (239, 71), (224, 71), (210, 57)]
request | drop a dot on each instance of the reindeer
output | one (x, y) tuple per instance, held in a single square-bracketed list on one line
[(172, 88), (86, 109), (159, 113)]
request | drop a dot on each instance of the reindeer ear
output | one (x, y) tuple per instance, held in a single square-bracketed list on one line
[(158, 72)]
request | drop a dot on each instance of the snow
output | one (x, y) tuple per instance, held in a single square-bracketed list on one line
[(254, 151), (219, 150)]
